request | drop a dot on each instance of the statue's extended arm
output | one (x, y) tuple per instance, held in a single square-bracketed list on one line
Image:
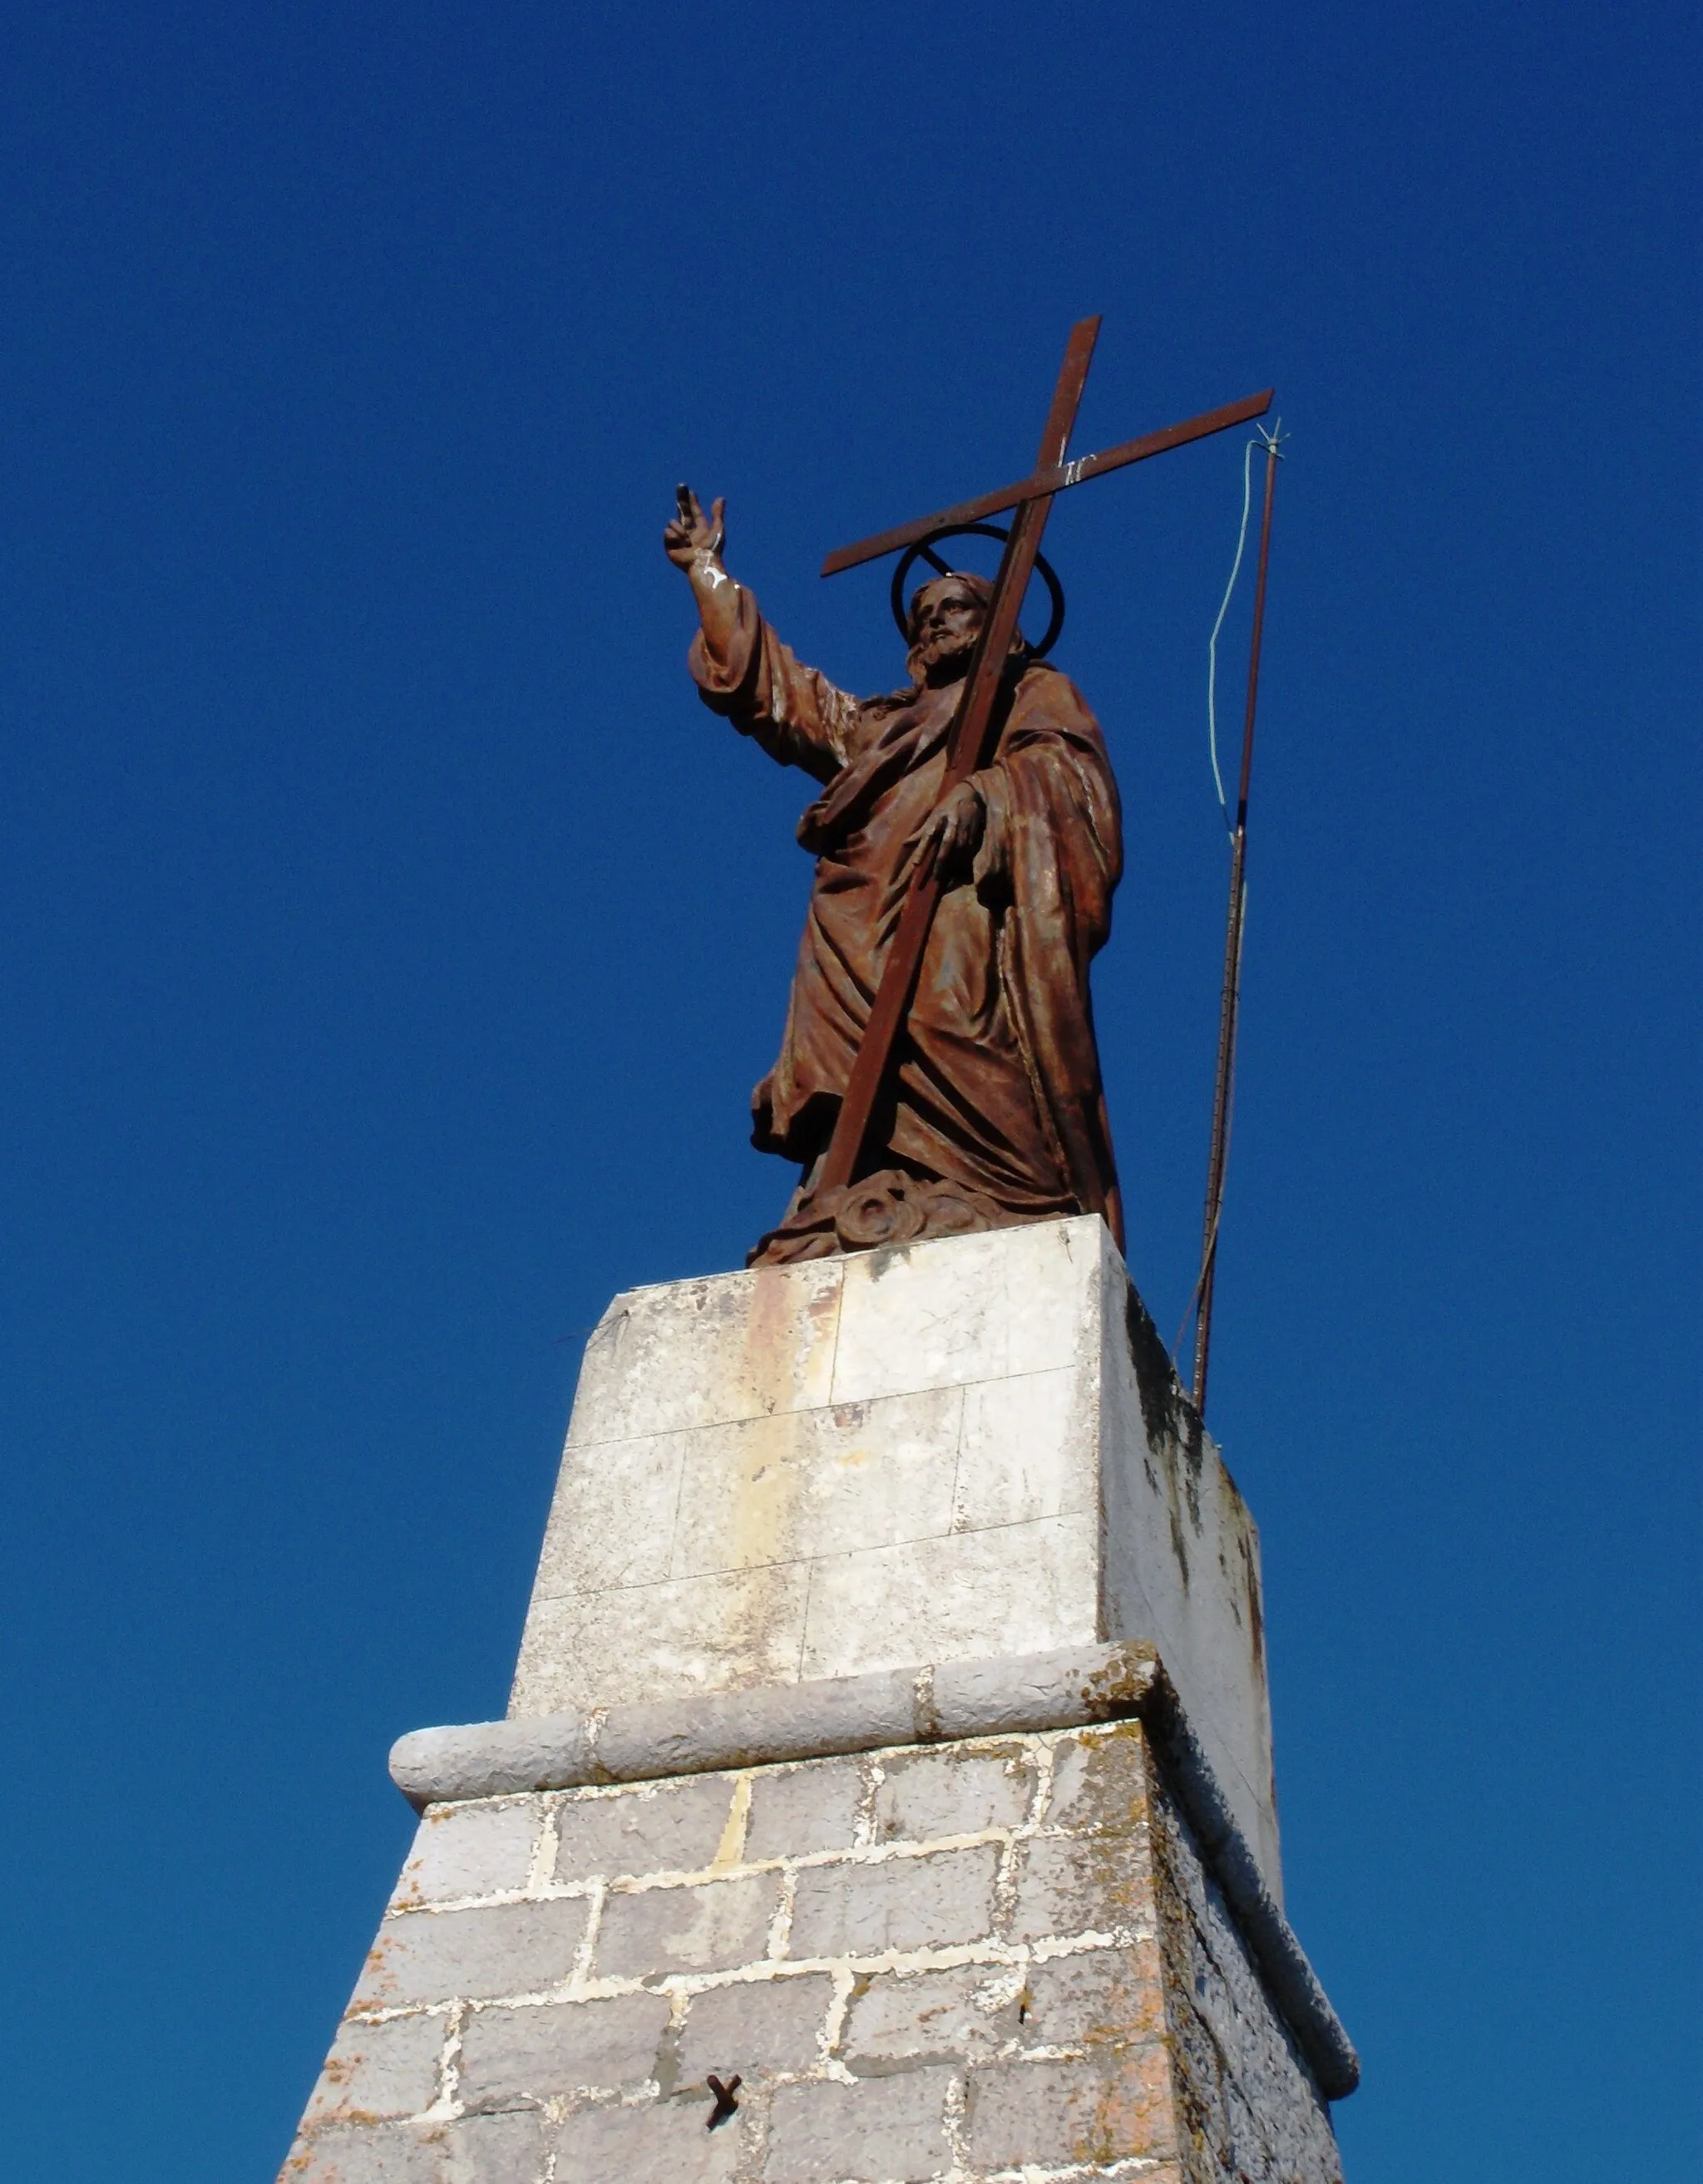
[(693, 542), (742, 668)]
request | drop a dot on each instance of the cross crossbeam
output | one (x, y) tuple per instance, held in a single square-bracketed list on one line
[(1046, 483)]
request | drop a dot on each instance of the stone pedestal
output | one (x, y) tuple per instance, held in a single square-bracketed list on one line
[(950, 1451), (888, 1746)]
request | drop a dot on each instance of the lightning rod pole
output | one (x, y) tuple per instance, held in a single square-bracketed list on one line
[(1233, 962)]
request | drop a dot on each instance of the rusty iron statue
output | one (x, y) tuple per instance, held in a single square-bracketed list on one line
[(992, 1110), (938, 1073)]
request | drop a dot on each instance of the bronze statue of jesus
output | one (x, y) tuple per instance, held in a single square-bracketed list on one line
[(994, 1112)]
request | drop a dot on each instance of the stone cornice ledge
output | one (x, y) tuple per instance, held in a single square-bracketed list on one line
[(1024, 1693)]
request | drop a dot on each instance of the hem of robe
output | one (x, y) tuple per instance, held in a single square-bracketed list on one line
[(893, 1205)]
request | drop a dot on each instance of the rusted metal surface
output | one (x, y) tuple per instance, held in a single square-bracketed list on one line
[(965, 754), (724, 2090), (1229, 1002), (1048, 479), (938, 1071)]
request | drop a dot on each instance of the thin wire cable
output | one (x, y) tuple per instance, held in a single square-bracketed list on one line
[(1212, 643)]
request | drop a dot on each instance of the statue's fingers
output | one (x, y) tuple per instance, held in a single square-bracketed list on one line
[(718, 504)]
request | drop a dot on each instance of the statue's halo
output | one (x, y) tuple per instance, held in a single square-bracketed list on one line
[(923, 550)]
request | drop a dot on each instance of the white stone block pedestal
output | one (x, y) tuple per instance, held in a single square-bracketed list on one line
[(950, 1451), (890, 1732)]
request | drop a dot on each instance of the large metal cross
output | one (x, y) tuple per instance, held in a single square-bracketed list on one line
[(967, 744)]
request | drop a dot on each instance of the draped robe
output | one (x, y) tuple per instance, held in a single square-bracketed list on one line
[(996, 1108)]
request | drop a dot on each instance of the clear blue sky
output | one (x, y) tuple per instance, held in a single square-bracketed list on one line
[(391, 940)]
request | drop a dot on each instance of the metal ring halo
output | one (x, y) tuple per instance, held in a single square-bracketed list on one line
[(923, 550)]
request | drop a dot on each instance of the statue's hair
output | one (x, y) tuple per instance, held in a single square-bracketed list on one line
[(983, 589), (980, 585)]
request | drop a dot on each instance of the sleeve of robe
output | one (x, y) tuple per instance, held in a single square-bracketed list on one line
[(1053, 849), (796, 713)]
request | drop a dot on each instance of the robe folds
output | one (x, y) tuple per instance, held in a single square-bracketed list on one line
[(996, 1098)]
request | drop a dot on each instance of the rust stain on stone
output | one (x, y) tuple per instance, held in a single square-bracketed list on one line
[(769, 1325), (1133, 2109), (1256, 1613), (1174, 1431), (1123, 1685)]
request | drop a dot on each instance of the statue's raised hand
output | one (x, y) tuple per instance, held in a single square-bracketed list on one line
[(692, 533)]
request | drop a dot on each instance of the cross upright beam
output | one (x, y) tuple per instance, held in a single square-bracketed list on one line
[(967, 743), (964, 756)]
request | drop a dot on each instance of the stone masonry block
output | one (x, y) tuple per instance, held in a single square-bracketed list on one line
[(714, 1926), (860, 1909), (1018, 1589), (809, 1483), (654, 1827), (1240, 2139), (756, 2025), (1078, 1885), (514, 2057), (1013, 1301), (376, 2071), (1112, 2107), (907, 2019), (508, 2150), (437, 1956), (890, 2128), (599, 1548), (733, 1631), (469, 1850), (1009, 1468), (796, 1810), (1100, 1780), (496, 2149), (694, 1353), (665, 2141), (1106, 1998), (956, 1790)]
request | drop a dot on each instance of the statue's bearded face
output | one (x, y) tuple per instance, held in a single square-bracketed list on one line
[(945, 622)]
